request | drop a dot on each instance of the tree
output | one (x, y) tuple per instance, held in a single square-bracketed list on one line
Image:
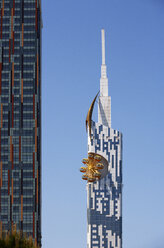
[(16, 240)]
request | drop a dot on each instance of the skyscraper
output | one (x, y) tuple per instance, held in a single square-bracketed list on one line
[(103, 172), (20, 117)]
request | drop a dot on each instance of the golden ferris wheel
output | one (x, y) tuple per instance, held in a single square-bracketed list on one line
[(93, 167)]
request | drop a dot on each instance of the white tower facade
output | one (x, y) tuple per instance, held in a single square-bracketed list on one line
[(104, 196)]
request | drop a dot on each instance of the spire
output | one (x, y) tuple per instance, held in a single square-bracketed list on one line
[(104, 107), (104, 79), (103, 46)]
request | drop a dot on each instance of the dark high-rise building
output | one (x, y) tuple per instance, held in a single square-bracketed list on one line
[(20, 117)]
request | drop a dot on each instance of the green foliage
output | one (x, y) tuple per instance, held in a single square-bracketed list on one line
[(16, 240)]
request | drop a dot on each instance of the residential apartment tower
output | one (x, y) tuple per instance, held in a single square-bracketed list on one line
[(20, 117)]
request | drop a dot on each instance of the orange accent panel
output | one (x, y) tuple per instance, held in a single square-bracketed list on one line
[(36, 135), (12, 190), (22, 34), (1, 115), (22, 91), (21, 207), (3, 8)]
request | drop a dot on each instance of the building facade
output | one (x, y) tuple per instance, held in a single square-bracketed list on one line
[(20, 117), (104, 196)]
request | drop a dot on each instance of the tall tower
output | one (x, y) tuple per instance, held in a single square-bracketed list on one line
[(20, 117), (103, 172)]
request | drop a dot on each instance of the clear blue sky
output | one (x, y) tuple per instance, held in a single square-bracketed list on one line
[(71, 59)]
